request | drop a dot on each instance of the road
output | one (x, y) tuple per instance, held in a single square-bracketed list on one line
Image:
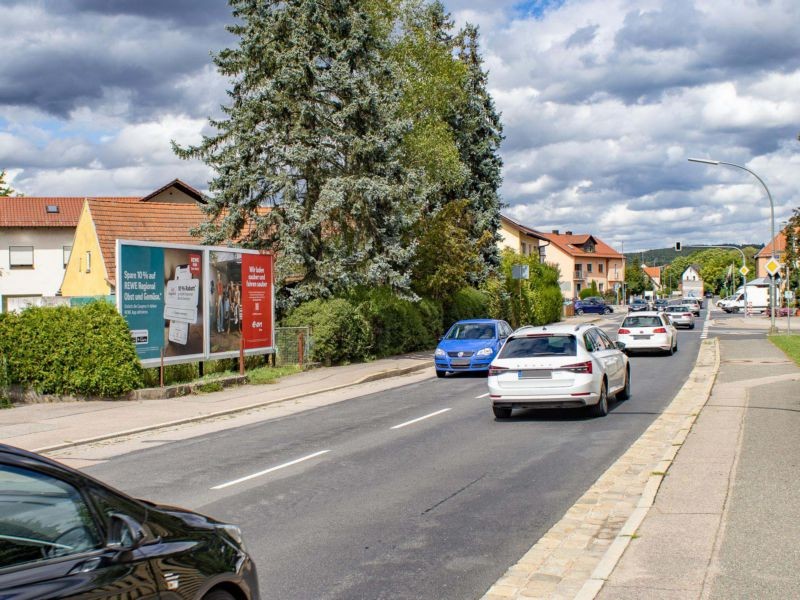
[(416, 492)]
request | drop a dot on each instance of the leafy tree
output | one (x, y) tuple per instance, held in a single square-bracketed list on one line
[(447, 234), (636, 281), (5, 188), (313, 133), (791, 254)]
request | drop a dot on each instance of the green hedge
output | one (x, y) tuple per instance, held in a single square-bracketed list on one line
[(466, 303), (61, 350), (341, 333)]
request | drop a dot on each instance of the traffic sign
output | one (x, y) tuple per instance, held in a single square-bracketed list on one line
[(744, 271), (773, 266)]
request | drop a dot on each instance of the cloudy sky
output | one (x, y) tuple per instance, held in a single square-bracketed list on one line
[(602, 102)]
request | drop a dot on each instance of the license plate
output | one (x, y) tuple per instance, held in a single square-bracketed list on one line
[(535, 374), (460, 362), (641, 337)]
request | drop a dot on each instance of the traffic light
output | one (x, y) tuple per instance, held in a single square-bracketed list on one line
[(677, 246)]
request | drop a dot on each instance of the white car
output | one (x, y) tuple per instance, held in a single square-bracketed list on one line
[(558, 366), (681, 315), (648, 331)]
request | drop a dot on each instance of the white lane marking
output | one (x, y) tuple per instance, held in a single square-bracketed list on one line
[(438, 412), (481, 396), (270, 470)]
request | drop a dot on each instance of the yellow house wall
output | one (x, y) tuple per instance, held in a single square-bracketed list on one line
[(566, 265), (509, 237), (77, 282)]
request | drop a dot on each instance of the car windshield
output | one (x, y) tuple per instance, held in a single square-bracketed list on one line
[(678, 308), (539, 345), (646, 321), (471, 331)]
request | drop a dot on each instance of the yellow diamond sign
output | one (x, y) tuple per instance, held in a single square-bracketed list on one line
[(773, 266), (744, 271)]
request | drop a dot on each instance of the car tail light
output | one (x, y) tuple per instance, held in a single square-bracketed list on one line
[(660, 330), (624, 331), (493, 370), (687, 314), (584, 367)]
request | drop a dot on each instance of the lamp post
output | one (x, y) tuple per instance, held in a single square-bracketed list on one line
[(705, 161)]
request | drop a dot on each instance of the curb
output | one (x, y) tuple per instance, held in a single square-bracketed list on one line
[(386, 374), (575, 557)]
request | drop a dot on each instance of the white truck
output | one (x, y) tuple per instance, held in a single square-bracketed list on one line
[(757, 300)]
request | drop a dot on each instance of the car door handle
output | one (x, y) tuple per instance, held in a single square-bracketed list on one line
[(85, 566)]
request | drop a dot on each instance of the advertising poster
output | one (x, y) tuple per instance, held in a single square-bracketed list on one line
[(225, 301), (257, 300), (141, 298), (182, 313)]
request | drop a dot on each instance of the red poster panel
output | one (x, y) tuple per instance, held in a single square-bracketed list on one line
[(257, 300)]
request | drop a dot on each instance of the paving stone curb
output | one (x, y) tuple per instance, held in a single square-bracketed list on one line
[(372, 377), (577, 555)]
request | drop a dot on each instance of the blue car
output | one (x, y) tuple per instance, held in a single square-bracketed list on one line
[(592, 304), (470, 345)]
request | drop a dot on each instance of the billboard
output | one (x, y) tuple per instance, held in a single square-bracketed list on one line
[(194, 302)]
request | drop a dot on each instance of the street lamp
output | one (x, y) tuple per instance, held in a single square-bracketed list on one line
[(706, 161)]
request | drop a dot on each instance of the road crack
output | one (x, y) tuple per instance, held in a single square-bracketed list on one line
[(453, 495)]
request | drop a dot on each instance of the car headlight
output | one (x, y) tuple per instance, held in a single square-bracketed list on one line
[(484, 352), (234, 533), (439, 352)]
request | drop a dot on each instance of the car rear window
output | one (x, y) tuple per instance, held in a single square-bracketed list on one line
[(539, 345), (648, 321)]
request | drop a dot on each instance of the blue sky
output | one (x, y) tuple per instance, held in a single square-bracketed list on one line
[(602, 102)]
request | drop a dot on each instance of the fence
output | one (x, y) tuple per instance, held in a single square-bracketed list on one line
[(293, 345)]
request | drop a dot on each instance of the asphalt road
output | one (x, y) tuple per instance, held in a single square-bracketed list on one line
[(362, 500)]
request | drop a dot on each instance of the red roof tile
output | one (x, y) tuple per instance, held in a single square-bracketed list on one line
[(21, 211), (571, 244)]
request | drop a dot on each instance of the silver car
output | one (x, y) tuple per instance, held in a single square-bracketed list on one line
[(681, 315)]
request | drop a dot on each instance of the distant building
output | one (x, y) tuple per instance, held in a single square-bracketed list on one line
[(691, 282), (654, 274), (35, 245), (581, 258)]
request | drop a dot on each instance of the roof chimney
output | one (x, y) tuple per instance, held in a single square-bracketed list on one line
[(567, 233), (555, 231)]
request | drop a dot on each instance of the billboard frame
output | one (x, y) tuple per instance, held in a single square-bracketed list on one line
[(205, 294)]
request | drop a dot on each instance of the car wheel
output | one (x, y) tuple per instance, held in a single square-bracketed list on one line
[(501, 412), (691, 326), (218, 595), (579, 312), (440, 374), (606, 311), (625, 392), (601, 408)]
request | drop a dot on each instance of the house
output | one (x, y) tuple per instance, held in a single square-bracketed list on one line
[(36, 236), (691, 282), (654, 274), (167, 215), (762, 258), (581, 258)]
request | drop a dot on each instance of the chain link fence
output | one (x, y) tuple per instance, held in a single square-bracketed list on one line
[(293, 346)]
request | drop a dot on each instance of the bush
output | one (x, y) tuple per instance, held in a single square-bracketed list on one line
[(432, 315), (467, 303), (340, 332), (397, 324), (547, 305), (83, 350)]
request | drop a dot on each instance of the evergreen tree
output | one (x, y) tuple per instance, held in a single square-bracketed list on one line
[(308, 155), (5, 188), (479, 133)]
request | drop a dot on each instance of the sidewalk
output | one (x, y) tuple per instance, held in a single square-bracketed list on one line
[(53, 426), (726, 519)]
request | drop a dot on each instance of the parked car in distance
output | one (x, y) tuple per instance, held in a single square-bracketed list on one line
[(558, 366), (681, 315), (592, 304), (64, 534), (648, 331), (470, 345), (637, 305), (694, 303)]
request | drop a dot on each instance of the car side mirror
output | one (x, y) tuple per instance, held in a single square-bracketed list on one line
[(620, 345), (125, 533)]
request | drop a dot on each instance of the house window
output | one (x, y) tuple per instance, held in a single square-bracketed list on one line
[(88, 262), (541, 253), (600, 286), (66, 251), (600, 267), (588, 267), (20, 257), (578, 267)]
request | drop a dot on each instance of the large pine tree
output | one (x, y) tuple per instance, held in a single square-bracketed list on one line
[(479, 132), (313, 134)]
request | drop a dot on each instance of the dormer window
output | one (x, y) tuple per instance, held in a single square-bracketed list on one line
[(51, 208)]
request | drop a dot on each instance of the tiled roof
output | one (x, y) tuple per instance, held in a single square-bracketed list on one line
[(522, 228), (653, 272), (21, 211), (571, 244), (780, 246), (132, 219)]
